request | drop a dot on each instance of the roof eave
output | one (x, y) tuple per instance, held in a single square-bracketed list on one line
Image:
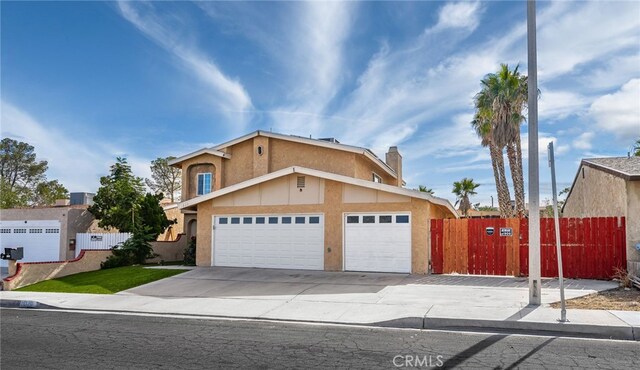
[(192, 203)]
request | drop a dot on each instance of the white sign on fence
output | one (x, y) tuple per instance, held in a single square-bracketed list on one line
[(99, 240), (506, 231)]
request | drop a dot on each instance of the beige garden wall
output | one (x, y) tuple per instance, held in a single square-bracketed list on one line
[(27, 273), (169, 251)]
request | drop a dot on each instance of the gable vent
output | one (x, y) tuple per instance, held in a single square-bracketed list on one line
[(300, 181)]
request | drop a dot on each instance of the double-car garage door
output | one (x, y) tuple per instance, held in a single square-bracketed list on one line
[(379, 242), (289, 241)]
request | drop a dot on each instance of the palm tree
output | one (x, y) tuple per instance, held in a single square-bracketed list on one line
[(505, 94), (636, 148), (463, 189), (423, 189), (482, 126)]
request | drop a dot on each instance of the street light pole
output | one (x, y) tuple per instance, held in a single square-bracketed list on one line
[(534, 191)]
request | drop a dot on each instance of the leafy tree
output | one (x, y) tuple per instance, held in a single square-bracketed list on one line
[(463, 189), (478, 207), (152, 214), (10, 198), (164, 178), (424, 189), (22, 177), (636, 148), (118, 198), (47, 192), (121, 202)]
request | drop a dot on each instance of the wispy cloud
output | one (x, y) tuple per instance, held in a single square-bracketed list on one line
[(619, 112), (77, 162), (457, 15), (581, 32), (227, 94), (306, 40), (583, 141), (557, 105)]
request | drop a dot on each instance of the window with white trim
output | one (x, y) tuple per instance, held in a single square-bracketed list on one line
[(376, 178), (204, 183)]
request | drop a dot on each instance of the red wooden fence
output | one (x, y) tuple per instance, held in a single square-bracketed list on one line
[(591, 247)]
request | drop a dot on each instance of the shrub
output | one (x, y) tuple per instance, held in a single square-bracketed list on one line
[(136, 250), (190, 253), (622, 276)]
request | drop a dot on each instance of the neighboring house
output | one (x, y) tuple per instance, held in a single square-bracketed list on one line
[(278, 201), (606, 187), (45, 233)]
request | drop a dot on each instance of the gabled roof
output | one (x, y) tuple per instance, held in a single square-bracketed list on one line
[(197, 153), (298, 139), (321, 174), (627, 168)]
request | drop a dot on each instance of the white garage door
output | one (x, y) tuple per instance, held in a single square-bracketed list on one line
[(40, 239), (269, 241), (377, 242)]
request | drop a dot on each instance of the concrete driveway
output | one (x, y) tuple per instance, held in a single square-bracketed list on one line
[(359, 288)]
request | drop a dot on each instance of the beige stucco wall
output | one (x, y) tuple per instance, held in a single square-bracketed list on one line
[(72, 220), (189, 188), (246, 163), (333, 206), (364, 169), (240, 167), (598, 194), (169, 251), (31, 273), (176, 229), (633, 226)]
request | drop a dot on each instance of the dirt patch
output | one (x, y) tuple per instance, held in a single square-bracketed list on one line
[(615, 299)]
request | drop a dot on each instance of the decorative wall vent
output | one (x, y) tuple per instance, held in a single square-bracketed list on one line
[(301, 182)]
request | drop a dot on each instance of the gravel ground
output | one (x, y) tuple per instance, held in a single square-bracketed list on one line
[(616, 299)]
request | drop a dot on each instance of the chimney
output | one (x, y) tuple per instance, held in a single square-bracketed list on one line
[(394, 160)]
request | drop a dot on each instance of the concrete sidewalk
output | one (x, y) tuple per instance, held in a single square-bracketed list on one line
[(397, 300)]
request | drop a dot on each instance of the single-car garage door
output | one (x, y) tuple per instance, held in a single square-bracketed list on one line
[(40, 239), (290, 241), (377, 242)]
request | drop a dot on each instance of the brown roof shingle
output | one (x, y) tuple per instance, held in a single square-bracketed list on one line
[(625, 167)]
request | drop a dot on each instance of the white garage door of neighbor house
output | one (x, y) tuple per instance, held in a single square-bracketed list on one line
[(40, 239), (289, 241), (378, 242)]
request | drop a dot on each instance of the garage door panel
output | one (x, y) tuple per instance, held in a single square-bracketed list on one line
[(272, 244), (378, 246), (40, 239)]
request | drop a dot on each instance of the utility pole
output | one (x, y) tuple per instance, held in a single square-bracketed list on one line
[(534, 180), (552, 164)]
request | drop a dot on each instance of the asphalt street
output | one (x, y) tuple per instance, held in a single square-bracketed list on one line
[(36, 339)]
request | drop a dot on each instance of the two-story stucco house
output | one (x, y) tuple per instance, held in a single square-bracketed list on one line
[(278, 201)]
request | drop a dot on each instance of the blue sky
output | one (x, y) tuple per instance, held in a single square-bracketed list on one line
[(85, 82)]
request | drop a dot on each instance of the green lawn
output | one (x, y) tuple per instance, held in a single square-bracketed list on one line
[(107, 281)]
